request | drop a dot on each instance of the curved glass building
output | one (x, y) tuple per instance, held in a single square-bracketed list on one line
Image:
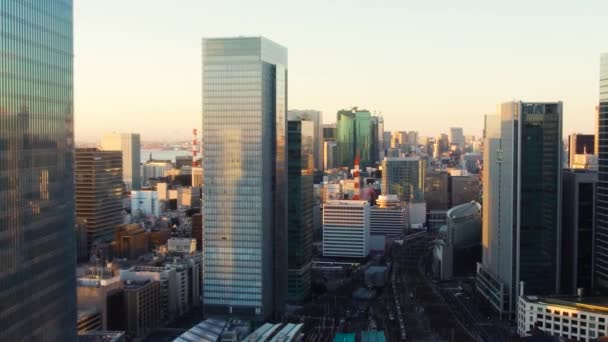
[(37, 235)]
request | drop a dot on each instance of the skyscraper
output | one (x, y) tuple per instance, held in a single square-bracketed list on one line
[(356, 135), (244, 176), (317, 119), (98, 192), (522, 179), (601, 223), (404, 177), (300, 147), (129, 145), (456, 137), (37, 237)]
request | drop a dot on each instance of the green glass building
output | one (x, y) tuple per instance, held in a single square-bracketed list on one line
[(37, 236), (356, 134), (300, 147)]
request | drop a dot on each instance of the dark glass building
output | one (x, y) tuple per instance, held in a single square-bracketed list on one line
[(522, 189), (300, 147), (601, 201), (37, 234), (244, 177)]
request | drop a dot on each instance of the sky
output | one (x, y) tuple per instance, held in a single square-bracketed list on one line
[(426, 65)]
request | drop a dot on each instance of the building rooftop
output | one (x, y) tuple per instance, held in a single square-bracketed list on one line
[(101, 336), (135, 284), (590, 304), (464, 210), (208, 330)]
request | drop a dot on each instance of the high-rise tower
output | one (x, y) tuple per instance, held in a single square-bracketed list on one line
[(245, 176), (129, 145), (37, 234), (522, 202), (601, 209)]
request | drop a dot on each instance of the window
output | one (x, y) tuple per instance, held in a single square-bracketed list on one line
[(565, 321), (574, 330), (564, 328), (574, 315), (555, 326), (602, 319), (548, 318), (583, 316), (556, 312), (602, 327), (583, 332), (565, 314), (547, 311), (583, 324)]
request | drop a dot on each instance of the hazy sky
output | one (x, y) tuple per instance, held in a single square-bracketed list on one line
[(426, 65)]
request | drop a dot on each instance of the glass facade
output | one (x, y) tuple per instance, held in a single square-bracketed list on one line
[(37, 235), (601, 223), (356, 134), (540, 136), (300, 148), (404, 177), (245, 176)]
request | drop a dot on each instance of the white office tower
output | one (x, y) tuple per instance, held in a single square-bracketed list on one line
[(129, 145), (388, 217), (346, 229)]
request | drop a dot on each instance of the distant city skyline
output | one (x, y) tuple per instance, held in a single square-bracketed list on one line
[(399, 59)]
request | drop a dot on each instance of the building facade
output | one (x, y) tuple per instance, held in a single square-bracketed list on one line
[(404, 177), (316, 117), (356, 136), (129, 145), (245, 176), (388, 217), (601, 202), (346, 230), (300, 147), (37, 237), (573, 318), (99, 190), (578, 219), (457, 136), (522, 178), (579, 144)]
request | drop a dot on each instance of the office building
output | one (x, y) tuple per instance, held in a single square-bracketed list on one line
[(459, 250), (356, 135), (197, 177), (330, 155), (181, 161), (142, 306), (155, 169), (130, 241), (404, 177), (522, 178), (300, 147), (89, 320), (573, 318), (245, 176), (99, 190), (472, 162), (388, 217), (456, 137), (346, 230), (601, 202), (129, 145), (579, 144), (37, 239), (464, 189), (197, 230), (578, 218), (316, 117), (94, 287), (145, 203), (329, 132)]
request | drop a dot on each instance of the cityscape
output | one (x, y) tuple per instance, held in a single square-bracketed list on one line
[(269, 222)]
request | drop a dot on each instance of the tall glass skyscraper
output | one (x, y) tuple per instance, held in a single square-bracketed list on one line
[(245, 176), (522, 201), (356, 135), (37, 235), (601, 223), (300, 146)]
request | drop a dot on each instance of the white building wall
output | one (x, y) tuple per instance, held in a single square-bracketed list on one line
[(346, 231)]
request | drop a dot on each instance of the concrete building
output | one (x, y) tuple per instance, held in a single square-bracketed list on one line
[(129, 146), (472, 162), (245, 194), (388, 217), (94, 287), (464, 189), (404, 177), (578, 221), (89, 320), (346, 229), (601, 210), (181, 245), (155, 169), (145, 203), (522, 178), (181, 161), (142, 304), (457, 137), (330, 154), (197, 177), (99, 190), (574, 318), (130, 241)]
